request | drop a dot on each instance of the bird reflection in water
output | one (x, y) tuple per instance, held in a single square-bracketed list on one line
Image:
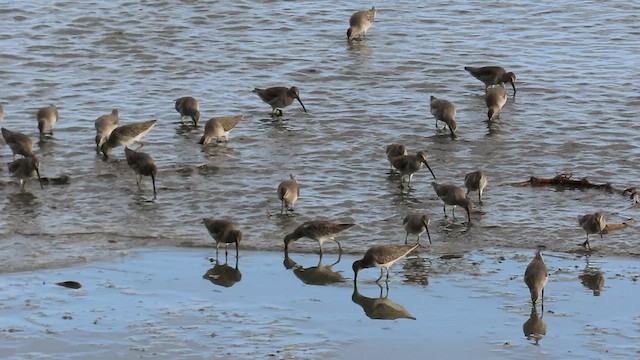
[(314, 275), (534, 328), (223, 274), (592, 278), (381, 308)]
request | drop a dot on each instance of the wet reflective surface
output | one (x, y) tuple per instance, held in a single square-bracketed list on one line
[(223, 274), (320, 274), (381, 307)]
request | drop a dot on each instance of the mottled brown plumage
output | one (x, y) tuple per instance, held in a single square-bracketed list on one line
[(47, 117), (104, 125), (143, 165), (223, 232), (476, 181), (383, 257), (279, 97), (536, 276), (416, 224), (360, 22), (393, 151), (24, 169), (493, 75), (495, 99), (318, 230), (592, 224), (19, 143), (407, 165), (218, 128), (444, 111), (288, 192), (126, 135), (453, 195), (190, 107)]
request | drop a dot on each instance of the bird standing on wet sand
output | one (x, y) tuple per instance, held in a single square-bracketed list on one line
[(393, 151), (104, 125), (318, 230), (279, 97), (410, 164), (143, 165), (188, 106), (218, 128), (288, 192), (416, 224), (476, 181), (493, 75), (536, 277), (383, 257), (453, 195), (24, 169), (360, 22), (47, 117), (592, 224), (19, 143), (495, 99), (126, 135), (444, 111), (223, 231)]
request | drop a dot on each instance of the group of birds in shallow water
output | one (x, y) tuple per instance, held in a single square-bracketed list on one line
[(110, 134)]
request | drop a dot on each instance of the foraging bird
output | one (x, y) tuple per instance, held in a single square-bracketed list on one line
[(476, 181), (416, 224), (380, 308), (383, 257), (188, 106), (318, 230), (19, 143), (393, 151), (288, 192), (279, 97), (493, 75), (535, 327), (453, 195), (592, 224), (536, 277), (444, 111), (24, 169), (314, 275), (126, 135), (223, 231), (143, 165), (410, 164), (495, 99), (360, 22), (104, 125), (47, 117), (218, 128)]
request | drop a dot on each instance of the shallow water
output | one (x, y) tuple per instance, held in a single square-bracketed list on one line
[(574, 112), (474, 306)]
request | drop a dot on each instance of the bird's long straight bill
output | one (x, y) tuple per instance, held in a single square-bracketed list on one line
[(153, 181), (300, 101), (39, 178), (431, 171)]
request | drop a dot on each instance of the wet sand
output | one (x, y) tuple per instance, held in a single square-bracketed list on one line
[(155, 303)]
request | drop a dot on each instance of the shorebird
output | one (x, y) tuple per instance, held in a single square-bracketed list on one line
[(360, 22), (24, 169), (218, 128), (453, 195), (314, 275), (444, 111), (493, 75), (126, 135), (288, 192), (279, 97), (410, 164), (495, 99), (104, 125), (592, 224), (223, 274), (143, 165), (383, 257), (380, 308), (47, 117), (535, 327), (318, 230), (393, 151), (416, 224), (476, 181), (19, 143), (223, 231), (536, 277), (188, 106)]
